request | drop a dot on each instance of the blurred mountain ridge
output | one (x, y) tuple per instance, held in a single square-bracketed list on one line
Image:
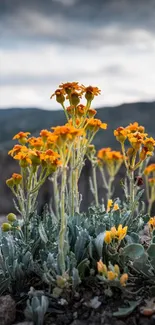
[(33, 120), (13, 120)]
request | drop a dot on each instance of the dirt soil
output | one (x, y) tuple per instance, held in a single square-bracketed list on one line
[(89, 305)]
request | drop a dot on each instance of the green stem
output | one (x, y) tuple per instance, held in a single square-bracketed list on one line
[(56, 194), (147, 187), (109, 194), (95, 185), (72, 184), (63, 223), (149, 207), (104, 178), (132, 192), (151, 200), (124, 155), (66, 114)]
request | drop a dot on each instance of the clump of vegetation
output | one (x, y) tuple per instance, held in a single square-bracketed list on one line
[(64, 246)]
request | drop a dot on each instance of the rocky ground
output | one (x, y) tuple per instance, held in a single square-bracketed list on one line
[(87, 306)]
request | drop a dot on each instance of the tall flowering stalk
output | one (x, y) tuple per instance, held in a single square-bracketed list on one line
[(81, 117), (91, 154), (109, 161), (141, 148), (36, 164)]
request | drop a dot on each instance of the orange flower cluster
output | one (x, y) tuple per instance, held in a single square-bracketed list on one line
[(114, 233), (80, 111), (112, 273), (110, 205), (139, 141), (149, 169), (151, 223), (15, 180), (35, 151), (73, 91), (112, 159)]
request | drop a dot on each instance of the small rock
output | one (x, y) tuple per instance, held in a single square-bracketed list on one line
[(78, 322), (119, 322), (93, 303), (7, 310), (63, 302)]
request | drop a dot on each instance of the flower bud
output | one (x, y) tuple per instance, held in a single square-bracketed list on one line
[(10, 182), (116, 269), (124, 279), (6, 227), (111, 275), (17, 178), (102, 268), (11, 217), (108, 237), (75, 98)]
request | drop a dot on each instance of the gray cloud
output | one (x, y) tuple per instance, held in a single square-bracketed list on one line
[(76, 21), (109, 43)]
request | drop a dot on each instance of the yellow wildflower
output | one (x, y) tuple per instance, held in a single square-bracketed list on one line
[(151, 223), (16, 149), (69, 87), (124, 279), (95, 124), (111, 275), (121, 134), (116, 207), (121, 232), (90, 92), (149, 169), (10, 182), (145, 153), (59, 93), (117, 269), (149, 143), (24, 159), (36, 143), (101, 267), (134, 127), (113, 232), (109, 205), (151, 181), (108, 237), (21, 137), (91, 112), (17, 178)]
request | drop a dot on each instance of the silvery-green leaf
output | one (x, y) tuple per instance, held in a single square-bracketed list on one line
[(151, 251), (75, 278), (44, 304), (35, 302), (42, 233), (133, 251), (99, 240), (27, 258), (81, 245), (123, 312)]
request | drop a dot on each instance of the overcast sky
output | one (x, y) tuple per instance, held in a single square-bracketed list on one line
[(105, 43)]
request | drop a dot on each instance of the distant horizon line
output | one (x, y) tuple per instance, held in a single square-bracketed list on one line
[(60, 109)]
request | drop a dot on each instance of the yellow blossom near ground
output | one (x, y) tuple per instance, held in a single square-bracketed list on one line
[(110, 205), (115, 234), (112, 273)]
